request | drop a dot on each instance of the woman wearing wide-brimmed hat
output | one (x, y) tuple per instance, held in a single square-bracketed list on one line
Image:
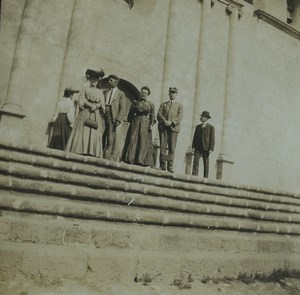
[(86, 135)]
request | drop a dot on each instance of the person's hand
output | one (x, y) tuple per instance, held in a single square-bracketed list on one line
[(168, 123), (117, 123), (150, 128), (93, 108), (193, 151), (71, 125)]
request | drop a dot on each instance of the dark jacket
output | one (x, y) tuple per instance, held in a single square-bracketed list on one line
[(204, 138)]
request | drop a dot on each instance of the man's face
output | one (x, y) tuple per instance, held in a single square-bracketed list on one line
[(113, 82), (203, 119), (172, 94)]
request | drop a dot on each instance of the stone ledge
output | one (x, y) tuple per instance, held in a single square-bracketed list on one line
[(56, 170), (161, 201), (84, 263), (101, 235), (136, 169), (275, 22), (127, 214), (37, 179)]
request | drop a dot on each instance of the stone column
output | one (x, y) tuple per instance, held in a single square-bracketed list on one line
[(12, 106), (224, 162), (170, 43), (199, 89), (180, 66), (30, 58)]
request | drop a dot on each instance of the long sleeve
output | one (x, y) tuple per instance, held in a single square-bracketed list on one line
[(71, 112), (176, 120), (212, 138), (194, 143), (152, 115), (160, 117), (122, 107), (130, 115), (82, 101)]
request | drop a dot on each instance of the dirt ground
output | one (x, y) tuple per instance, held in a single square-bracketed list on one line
[(23, 286)]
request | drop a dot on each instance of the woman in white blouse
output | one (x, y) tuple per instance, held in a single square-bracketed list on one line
[(63, 120)]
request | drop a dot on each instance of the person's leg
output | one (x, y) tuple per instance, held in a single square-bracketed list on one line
[(108, 138), (205, 156), (163, 148), (197, 155), (172, 140)]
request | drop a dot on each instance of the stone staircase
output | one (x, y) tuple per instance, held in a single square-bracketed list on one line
[(76, 216)]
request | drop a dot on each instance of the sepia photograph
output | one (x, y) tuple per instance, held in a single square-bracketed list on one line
[(149, 147)]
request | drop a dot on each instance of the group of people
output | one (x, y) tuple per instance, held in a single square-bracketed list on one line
[(96, 131)]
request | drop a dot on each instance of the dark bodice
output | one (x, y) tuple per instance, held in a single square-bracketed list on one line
[(142, 107)]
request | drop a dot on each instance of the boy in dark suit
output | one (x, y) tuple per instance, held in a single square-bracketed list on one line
[(203, 143)]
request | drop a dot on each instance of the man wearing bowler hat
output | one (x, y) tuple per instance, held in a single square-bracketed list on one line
[(115, 107), (169, 117), (203, 143)]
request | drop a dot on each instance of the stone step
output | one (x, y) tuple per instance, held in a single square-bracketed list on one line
[(45, 177), (57, 160), (125, 222)]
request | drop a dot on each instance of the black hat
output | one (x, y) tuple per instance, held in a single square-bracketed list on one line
[(94, 74), (173, 89), (205, 114), (114, 77), (71, 90)]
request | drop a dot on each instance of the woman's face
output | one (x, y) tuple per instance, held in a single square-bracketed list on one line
[(93, 82), (144, 93)]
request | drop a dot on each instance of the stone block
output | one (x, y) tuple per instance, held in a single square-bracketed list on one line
[(55, 262), (230, 245), (101, 238), (188, 242), (4, 230), (209, 244), (290, 247), (143, 240), (49, 234), (10, 263), (168, 242), (109, 266), (248, 245), (22, 232), (120, 239), (158, 268), (271, 246), (77, 235)]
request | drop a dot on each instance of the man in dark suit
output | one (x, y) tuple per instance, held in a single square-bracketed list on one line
[(169, 117), (203, 143), (115, 107)]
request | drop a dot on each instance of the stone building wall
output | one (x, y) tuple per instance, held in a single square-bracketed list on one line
[(241, 69)]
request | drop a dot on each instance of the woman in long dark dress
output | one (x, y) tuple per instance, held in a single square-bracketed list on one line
[(63, 120), (138, 148)]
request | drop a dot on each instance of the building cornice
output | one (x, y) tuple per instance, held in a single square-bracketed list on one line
[(260, 14)]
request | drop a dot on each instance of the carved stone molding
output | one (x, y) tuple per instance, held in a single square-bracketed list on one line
[(229, 8), (260, 14), (213, 2), (231, 5)]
